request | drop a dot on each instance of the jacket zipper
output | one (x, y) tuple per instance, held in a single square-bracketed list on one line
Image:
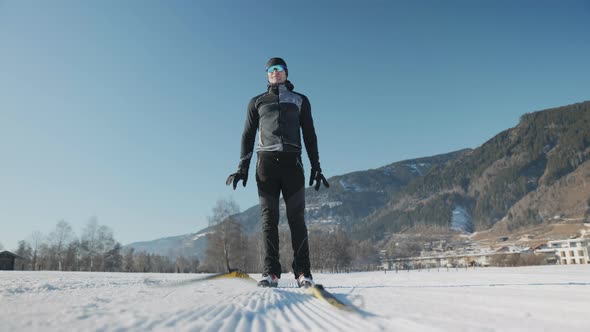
[(279, 108)]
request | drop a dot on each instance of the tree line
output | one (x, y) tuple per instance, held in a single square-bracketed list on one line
[(95, 250), (229, 247)]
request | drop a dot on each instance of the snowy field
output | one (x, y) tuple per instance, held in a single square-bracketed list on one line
[(483, 299)]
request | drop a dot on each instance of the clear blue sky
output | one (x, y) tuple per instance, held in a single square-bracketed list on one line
[(132, 111)]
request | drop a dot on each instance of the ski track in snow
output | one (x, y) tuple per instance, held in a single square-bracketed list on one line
[(146, 303), (484, 299)]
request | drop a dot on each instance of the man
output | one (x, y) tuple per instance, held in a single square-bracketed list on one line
[(279, 115)]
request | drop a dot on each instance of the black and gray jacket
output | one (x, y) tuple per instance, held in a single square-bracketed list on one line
[(277, 115)]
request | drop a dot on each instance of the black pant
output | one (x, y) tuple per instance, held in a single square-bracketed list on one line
[(278, 172)]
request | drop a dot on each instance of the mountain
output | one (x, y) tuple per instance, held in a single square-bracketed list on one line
[(524, 176), (188, 245), (351, 197)]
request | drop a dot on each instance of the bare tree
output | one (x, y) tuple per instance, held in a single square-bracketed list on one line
[(73, 256), (113, 260), (44, 256), (226, 244), (1, 246), (162, 264), (36, 238), (62, 250), (60, 239), (364, 255), (181, 265), (24, 250), (237, 246), (96, 241), (89, 244), (142, 262), (222, 210), (128, 260), (226, 247), (254, 252), (331, 251), (342, 248), (186, 265), (194, 264)]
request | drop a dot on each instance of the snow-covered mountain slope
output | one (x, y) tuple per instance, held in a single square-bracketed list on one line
[(187, 245), (483, 299), (461, 220)]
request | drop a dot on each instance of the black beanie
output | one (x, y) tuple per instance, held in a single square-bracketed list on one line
[(277, 61)]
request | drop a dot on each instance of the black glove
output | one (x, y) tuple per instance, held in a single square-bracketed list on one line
[(236, 177), (316, 174)]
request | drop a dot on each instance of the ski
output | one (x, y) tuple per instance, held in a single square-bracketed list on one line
[(233, 274), (321, 293), (223, 275), (316, 290)]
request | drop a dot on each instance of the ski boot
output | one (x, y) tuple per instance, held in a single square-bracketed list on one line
[(268, 280), (305, 280)]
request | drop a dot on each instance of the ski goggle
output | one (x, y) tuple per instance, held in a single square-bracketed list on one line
[(275, 67)]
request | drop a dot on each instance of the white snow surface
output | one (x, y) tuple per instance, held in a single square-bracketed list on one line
[(481, 299)]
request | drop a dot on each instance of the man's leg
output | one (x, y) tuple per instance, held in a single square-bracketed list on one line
[(294, 195), (269, 188)]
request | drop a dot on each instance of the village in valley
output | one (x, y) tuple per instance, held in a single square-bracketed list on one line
[(563, 243)]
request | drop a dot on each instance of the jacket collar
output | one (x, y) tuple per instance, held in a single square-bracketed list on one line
[(275, 88)]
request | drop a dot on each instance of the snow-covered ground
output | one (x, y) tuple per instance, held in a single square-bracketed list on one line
[(528, 298)]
